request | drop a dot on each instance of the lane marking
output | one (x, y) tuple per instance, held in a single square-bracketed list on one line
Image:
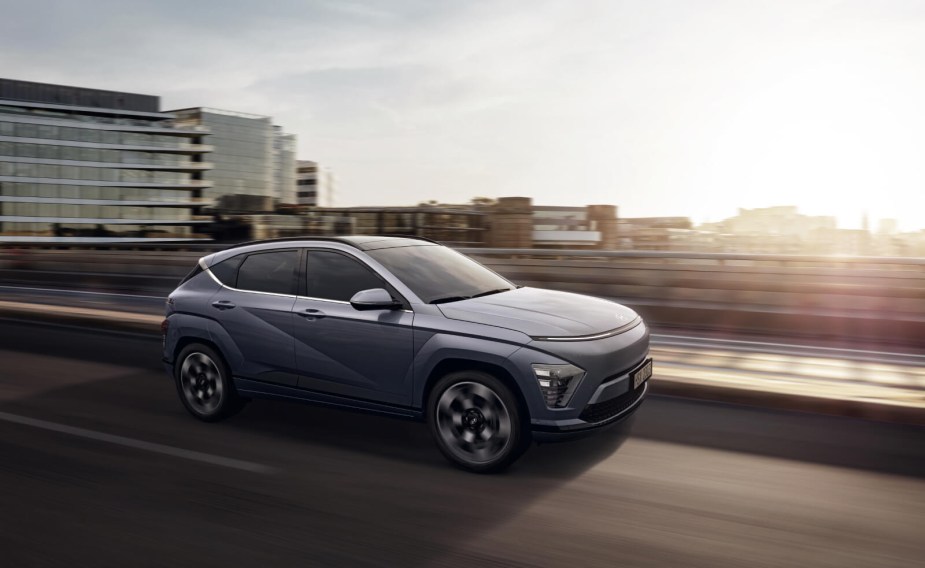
[(154, 334), (138, 444), (88, 292)]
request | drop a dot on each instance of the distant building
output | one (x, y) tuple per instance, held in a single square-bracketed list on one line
[(510, 222), (516, 223), (89, 165), (658, 222), (314, 185), (563, 226), (770, 221), (251, 157), (783, 230), (659, 233), (888, 227), (284, 171)]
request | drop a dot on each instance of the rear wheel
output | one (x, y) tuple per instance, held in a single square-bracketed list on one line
[(476, 421), (204, 384)]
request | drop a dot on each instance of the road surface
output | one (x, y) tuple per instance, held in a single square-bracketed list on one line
[(101, 466)]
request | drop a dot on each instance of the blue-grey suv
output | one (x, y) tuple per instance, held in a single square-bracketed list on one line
[(404, 327)]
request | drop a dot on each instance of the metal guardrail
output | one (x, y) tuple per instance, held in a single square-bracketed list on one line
[(869, 298), (692, 255)]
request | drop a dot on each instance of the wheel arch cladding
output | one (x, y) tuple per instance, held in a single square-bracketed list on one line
[(444, 354)]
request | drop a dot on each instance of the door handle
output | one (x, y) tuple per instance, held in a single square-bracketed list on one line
[(223, 305), (311, 314)]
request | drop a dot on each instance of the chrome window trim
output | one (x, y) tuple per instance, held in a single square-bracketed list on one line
[(322, 299), (343, 302), (202, 263), (227, 287)]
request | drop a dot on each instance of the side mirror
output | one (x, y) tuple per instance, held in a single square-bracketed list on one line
[(374, 299)]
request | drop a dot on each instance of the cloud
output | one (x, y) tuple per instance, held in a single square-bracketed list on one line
[(645, 104)]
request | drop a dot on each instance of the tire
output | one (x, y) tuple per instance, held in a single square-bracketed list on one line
[(477, 422), (204, 384)]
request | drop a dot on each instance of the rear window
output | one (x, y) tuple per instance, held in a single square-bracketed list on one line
[(272, 272), (227, 270)]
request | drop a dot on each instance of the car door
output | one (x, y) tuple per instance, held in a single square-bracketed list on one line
[(254, 311), (345, 351)]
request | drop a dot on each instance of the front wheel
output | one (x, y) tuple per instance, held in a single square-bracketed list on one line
[(204, 384), (476, 421)]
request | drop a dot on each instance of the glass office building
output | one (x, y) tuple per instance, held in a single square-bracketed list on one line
[(89, 165), (249, 155), (284, 166)]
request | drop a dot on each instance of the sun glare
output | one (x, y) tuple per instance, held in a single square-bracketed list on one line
[(835, 134)]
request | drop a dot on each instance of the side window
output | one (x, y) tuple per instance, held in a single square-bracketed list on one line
[(269, 272), (333, 276), (227, 270)]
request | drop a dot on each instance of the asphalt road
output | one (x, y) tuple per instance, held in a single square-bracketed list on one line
[(101, 466)]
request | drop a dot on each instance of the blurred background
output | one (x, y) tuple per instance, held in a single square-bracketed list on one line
[(745, 175)]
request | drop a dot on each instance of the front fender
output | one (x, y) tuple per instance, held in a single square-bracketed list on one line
[(439, 347)]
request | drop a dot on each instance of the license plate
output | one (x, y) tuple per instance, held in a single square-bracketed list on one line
[(642, 374)]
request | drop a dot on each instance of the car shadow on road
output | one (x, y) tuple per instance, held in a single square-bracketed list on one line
[(348, 488), (410, 441)]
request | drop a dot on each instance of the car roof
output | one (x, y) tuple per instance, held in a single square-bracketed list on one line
[(361, 242)]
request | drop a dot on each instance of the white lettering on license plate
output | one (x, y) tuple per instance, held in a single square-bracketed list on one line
[(642, 375)]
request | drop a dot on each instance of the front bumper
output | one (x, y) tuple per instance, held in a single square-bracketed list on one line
[(594, 417)]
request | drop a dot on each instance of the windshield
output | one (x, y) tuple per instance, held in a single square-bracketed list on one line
[(439, 274)]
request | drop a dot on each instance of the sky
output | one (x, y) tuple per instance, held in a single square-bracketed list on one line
[(679, 108)]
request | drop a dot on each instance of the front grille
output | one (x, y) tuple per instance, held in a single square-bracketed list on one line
[(603, 411)]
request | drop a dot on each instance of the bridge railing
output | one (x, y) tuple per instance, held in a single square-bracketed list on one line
[(871, 298)]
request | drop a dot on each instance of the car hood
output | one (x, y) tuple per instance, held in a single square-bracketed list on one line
[(542, 313)]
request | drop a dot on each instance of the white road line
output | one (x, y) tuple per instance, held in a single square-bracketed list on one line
[(87, 292), (138, 444)]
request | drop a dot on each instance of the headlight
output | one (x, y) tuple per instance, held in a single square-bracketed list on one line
[(557, 382)]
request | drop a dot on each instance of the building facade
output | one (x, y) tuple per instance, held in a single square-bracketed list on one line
[(314, 185), (80, 164), (284, 167), (254, 161)]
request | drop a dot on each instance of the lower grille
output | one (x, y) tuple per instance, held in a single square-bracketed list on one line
[(603, 411)]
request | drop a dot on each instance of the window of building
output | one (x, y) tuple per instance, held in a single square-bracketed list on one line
[(49, 152), (27, 130), (269, 272)]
